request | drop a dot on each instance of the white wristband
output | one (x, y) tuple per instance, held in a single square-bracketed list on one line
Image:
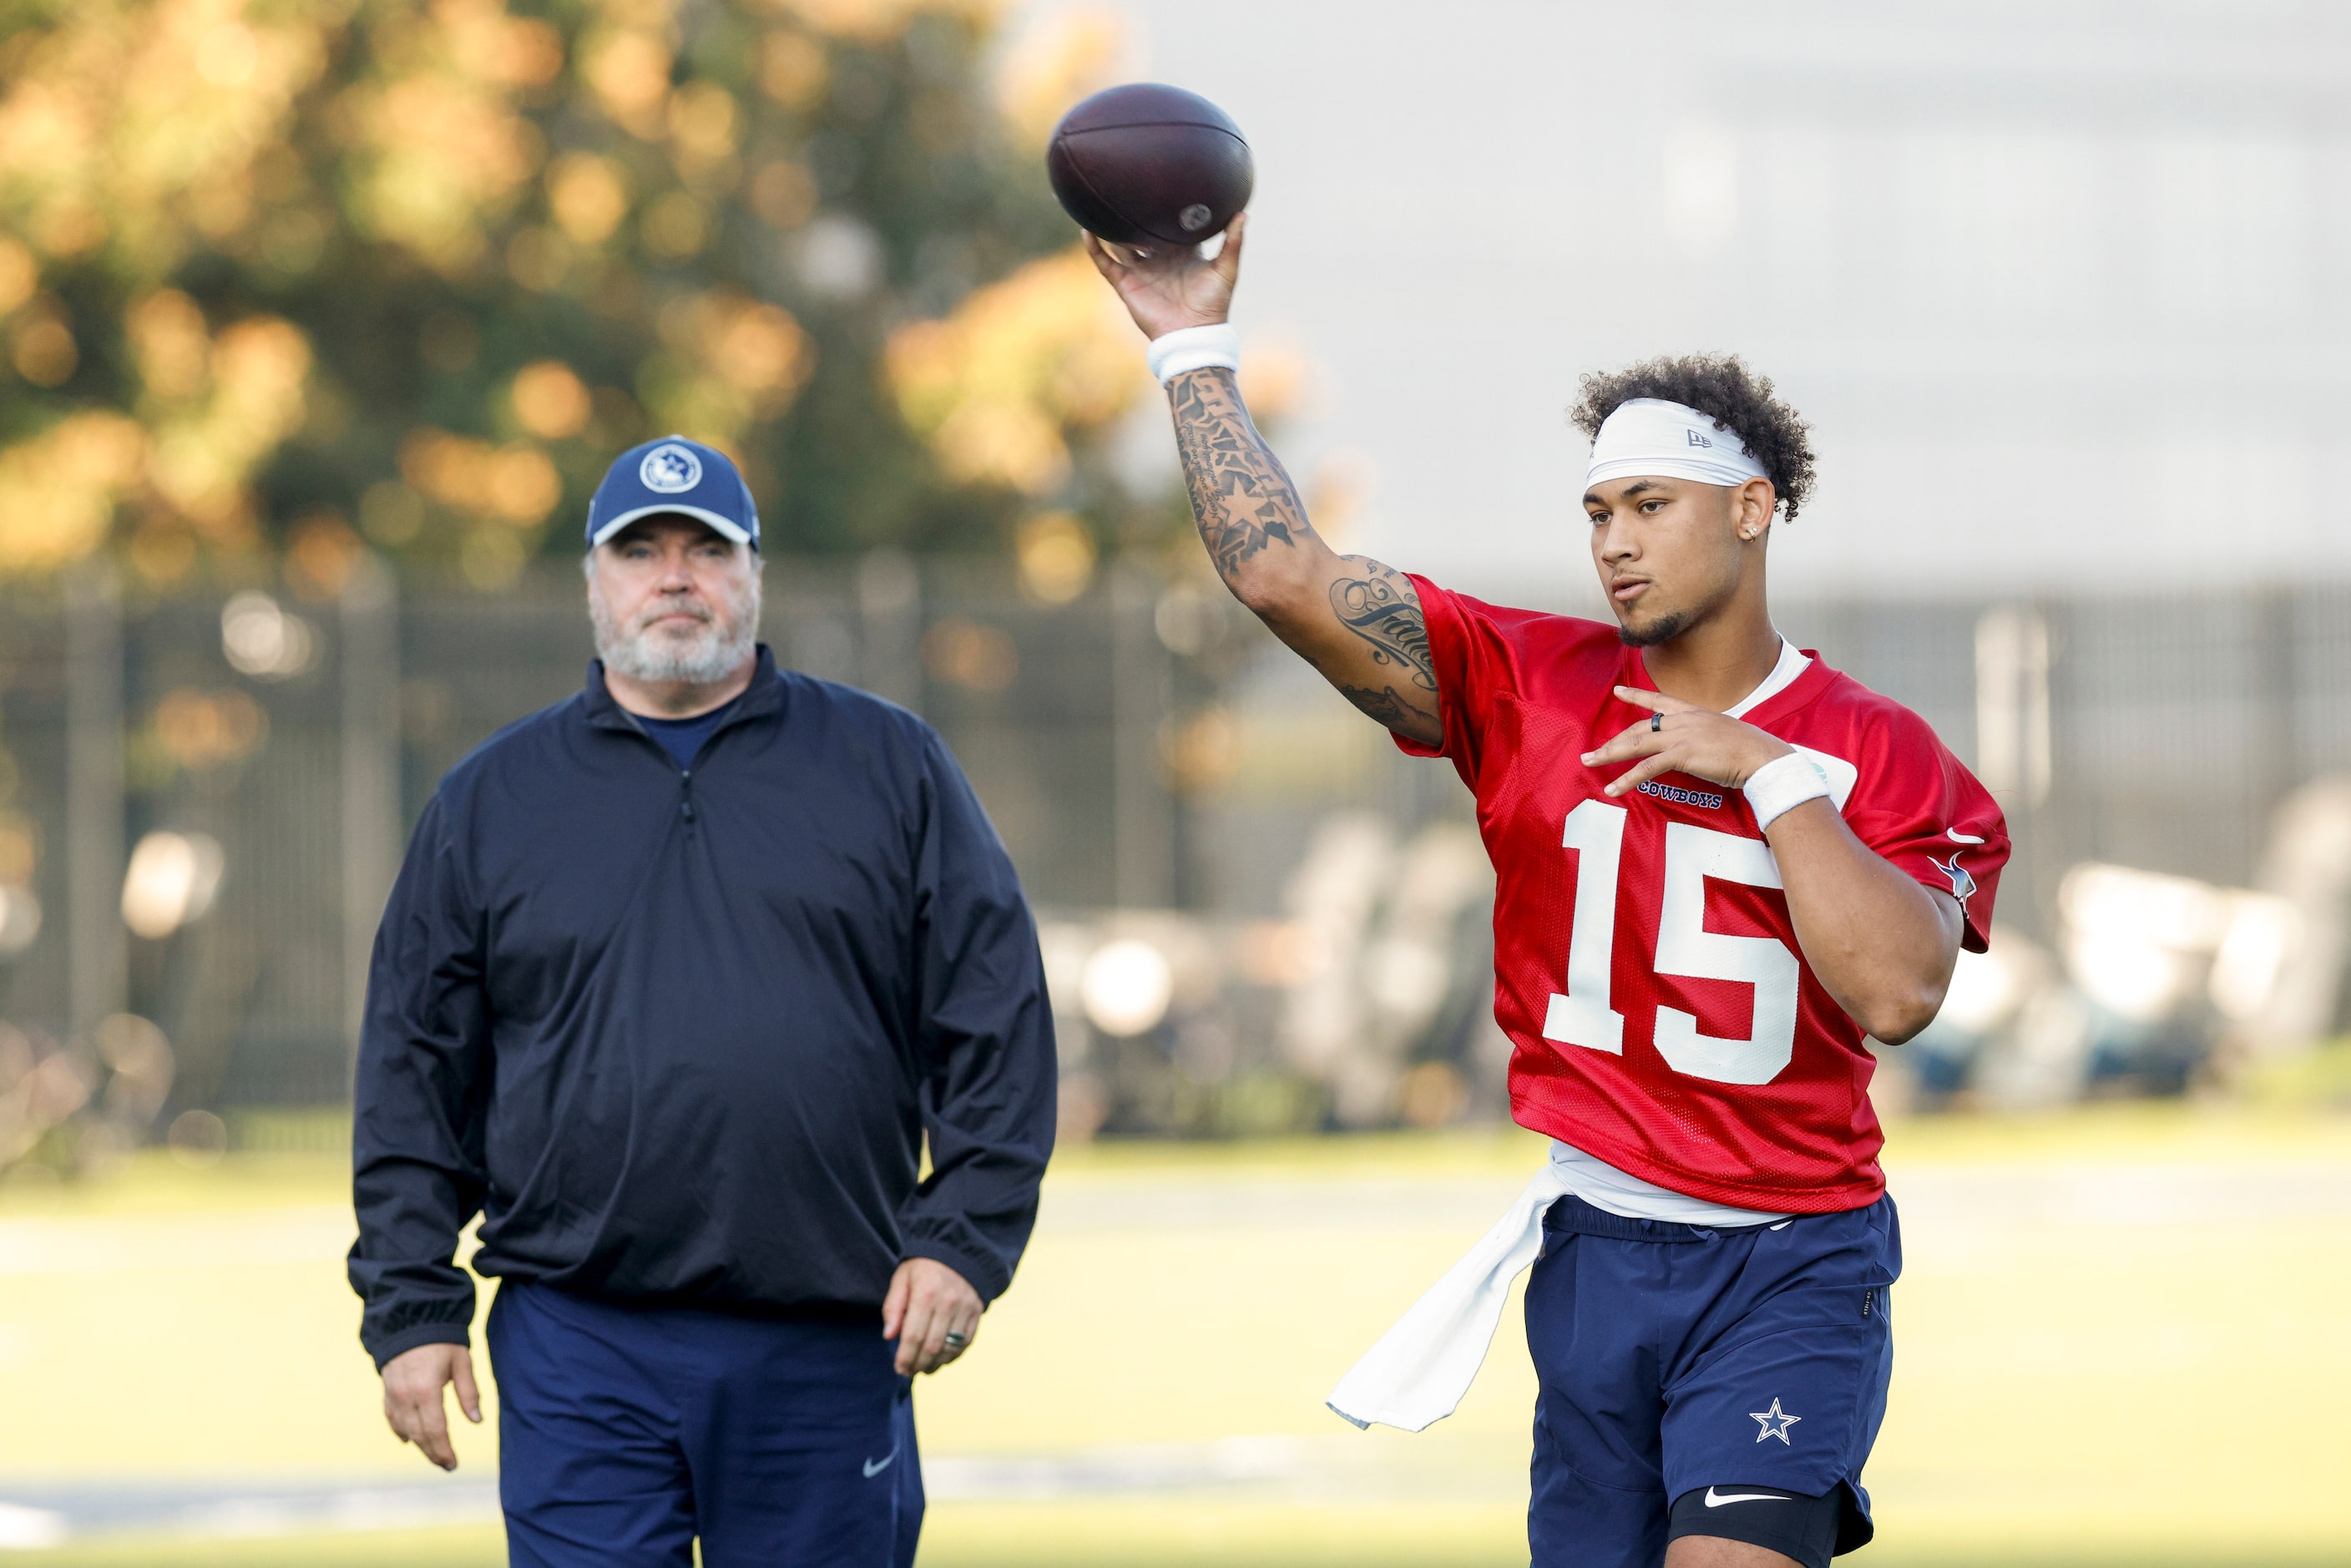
[(1195, 349), (1783, 784)]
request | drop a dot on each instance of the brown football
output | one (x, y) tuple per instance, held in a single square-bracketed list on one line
[(1147, 164)]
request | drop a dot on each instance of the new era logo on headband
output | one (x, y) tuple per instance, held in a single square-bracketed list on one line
[(1668, 440)]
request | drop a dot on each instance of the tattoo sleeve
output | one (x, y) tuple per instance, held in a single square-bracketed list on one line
[(1242, 498), (1246, 506), (1380, 606)]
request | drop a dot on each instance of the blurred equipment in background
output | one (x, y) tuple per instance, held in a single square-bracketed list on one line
[(73, 1109), (260, 639), (2168, 964), (2307, 870), (1386, 949), (1260, 916), (1984, 1031), (172, 881), (2156, 981), (1126, 986), (1368, 1004)]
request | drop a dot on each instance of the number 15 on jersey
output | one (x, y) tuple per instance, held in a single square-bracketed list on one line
[(1584, 1016)]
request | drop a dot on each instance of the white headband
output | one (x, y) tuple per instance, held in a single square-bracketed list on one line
[(1666, 440)]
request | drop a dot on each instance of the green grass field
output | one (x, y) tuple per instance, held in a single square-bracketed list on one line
[(2121, 1335)]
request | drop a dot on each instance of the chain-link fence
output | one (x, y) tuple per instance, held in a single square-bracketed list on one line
[(207, 791)]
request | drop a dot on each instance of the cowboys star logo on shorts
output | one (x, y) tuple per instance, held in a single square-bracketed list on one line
[(1775, 1423), (670, 469)]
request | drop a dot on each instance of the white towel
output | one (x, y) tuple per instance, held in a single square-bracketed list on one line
[(1420, 1368)]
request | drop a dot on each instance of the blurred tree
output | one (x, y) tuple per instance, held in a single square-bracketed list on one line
[(293, 274)]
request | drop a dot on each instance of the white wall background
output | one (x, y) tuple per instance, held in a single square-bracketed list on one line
[(2061, 286)]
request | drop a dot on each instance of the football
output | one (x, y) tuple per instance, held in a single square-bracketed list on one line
[(1145, 164)]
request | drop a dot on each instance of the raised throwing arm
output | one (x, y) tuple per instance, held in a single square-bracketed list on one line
[(1356, 620)]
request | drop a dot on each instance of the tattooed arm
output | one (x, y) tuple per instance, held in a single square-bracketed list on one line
[(1356, 620)]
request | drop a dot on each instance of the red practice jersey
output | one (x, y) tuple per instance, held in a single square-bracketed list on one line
[(1661, 1014)]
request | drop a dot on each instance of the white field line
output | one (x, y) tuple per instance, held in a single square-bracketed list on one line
[(386, 1507), (1948, 1200), (1289, 1468), (246, 1511)]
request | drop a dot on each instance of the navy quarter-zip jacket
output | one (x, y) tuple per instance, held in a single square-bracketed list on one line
[(677, 1034)]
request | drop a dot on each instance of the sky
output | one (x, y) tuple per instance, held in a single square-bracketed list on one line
[(2061, 287)]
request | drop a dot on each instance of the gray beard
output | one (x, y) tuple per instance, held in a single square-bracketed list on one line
[(714, 652)]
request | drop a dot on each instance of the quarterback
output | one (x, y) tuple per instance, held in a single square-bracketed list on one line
[(1721, 864)]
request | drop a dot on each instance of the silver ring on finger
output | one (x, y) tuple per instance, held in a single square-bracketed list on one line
[(956, 1341), (1656, 721)]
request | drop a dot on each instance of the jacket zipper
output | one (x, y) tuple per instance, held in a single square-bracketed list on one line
[(686, 775)]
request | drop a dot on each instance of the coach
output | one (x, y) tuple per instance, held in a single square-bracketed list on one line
[(675, 979)]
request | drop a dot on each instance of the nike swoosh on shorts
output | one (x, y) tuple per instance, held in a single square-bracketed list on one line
[(1713, 1499), (872, 1470)]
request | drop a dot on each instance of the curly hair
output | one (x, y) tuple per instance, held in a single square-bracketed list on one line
[(1726, 392)]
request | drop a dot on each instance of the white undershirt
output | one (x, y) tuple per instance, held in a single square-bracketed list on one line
[(1783, 675), (1602, 1184)]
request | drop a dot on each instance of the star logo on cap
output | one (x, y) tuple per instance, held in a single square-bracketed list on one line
[(1774, 1423), (670, 469)]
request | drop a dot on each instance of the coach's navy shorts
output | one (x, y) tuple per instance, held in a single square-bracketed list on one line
[(626, 1432), (1676, 1357)]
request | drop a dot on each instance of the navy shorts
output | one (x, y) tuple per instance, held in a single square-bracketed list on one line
[(626, 1432), (1674, 1357)]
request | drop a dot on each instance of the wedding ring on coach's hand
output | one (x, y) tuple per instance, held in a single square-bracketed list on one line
[(1656, 721), (956, 1341)]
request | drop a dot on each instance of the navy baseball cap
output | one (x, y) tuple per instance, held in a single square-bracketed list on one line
[(673, 475)]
